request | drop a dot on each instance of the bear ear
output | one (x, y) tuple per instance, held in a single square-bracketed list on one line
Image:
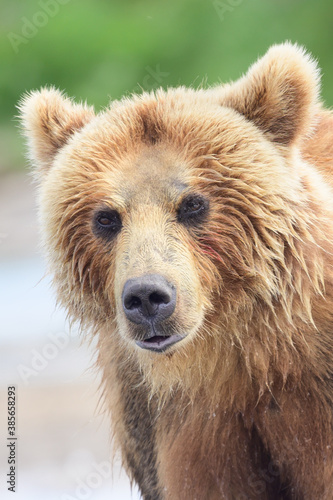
[(49, 119), (279, 93)]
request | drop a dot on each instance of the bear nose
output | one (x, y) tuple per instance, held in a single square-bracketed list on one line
[(148, 298)]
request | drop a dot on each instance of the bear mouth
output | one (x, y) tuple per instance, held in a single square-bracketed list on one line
[(159, 343)]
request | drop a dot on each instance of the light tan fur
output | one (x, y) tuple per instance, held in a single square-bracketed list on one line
[(242, 407)]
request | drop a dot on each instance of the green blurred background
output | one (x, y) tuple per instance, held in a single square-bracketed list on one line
[(99, 50)]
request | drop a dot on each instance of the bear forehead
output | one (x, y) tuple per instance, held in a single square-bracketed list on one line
[(147, 175), (154, 173), (191, 127), (153, 150), (140, 145)]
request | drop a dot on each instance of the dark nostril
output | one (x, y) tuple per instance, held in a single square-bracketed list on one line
[(159, 298), (132, 302)]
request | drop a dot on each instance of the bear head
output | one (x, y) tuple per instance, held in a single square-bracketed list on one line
[(170, 219)]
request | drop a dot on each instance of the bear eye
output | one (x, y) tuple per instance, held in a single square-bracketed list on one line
[(193, 209), (107, 223)]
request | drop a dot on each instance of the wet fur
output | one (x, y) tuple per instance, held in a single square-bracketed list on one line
[(242, 408)]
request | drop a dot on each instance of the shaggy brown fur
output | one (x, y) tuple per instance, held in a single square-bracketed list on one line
[(241, 408)]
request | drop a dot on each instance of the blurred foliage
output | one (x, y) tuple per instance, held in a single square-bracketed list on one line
[(100, 50)]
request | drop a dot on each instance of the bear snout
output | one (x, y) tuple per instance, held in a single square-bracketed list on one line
[(148, 301)]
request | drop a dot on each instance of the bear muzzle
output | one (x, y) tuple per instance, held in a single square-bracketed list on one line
[(148, 301)]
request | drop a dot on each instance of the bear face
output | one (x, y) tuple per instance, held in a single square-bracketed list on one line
[(168, 216)]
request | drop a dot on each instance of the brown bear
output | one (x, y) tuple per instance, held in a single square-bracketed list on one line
[(191, 232)]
